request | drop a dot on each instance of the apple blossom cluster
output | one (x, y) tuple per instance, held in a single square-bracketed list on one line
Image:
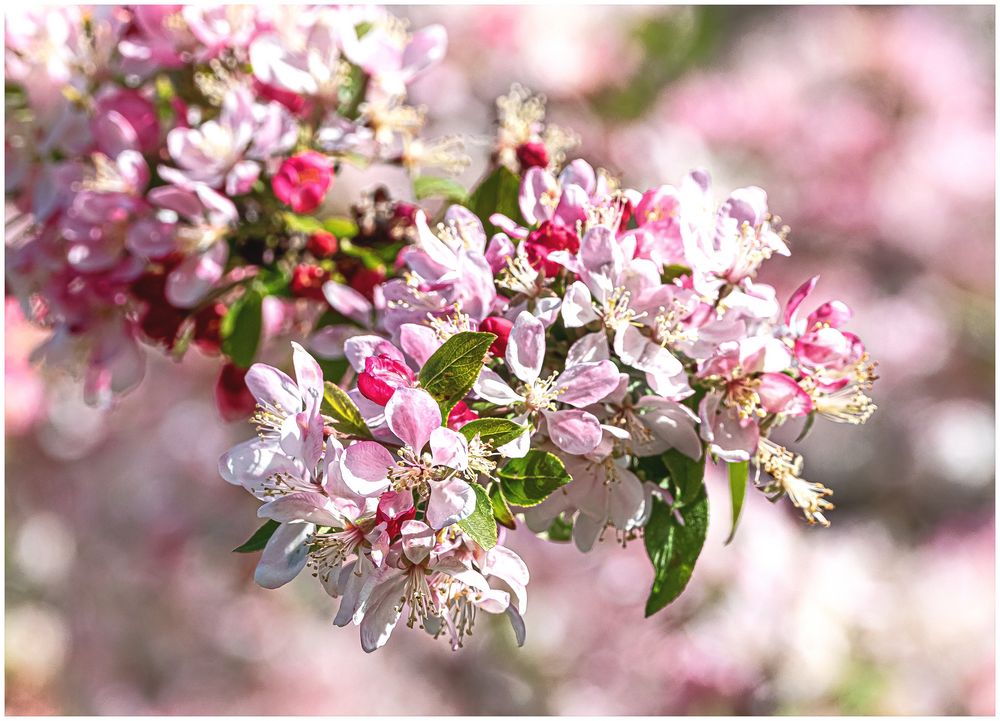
[(559, 352), (168, 162)]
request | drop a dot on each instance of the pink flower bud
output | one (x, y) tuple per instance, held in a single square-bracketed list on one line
[(382, 376), (501, 328), (302, 181)]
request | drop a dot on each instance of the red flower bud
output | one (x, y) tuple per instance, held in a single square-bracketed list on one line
[(545, 239), (365, 280), (322, 244), (532, 155), (382, 376), (501, 328), (307, 281), (232, 397)]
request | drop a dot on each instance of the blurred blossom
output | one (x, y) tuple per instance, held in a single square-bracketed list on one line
[(873, 130)]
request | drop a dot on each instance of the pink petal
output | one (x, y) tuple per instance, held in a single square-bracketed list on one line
[(574, 431), (780, 394), (450, 502), (587, 383), (364, 467), (526, 347), (413, 415), (797, 297), (449, 448), (284, 555)]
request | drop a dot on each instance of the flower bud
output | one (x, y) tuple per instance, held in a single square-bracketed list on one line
[(545, 239), (302, 181), (232, 397), (307, 281), (532, 155), (499, 327), (460, 415), (382, 376), (322, 244)]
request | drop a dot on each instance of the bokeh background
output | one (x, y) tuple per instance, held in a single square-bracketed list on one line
[(873, 131)]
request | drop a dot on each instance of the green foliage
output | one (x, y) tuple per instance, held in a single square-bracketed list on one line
[(241, 326), (496, 431), (561, 530), (686, 475), (670, 43), (501, 511), (259, 539), (428, 186), (340, 227), (673, 548), (739, 473), (496, 194), (530, 480), (448, 375), (345, 414), (480, 526)]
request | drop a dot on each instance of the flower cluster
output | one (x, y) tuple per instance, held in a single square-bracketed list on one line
[(165, 161), (575, 368)]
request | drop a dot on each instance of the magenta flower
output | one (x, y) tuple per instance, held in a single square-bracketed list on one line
[(302, 181)]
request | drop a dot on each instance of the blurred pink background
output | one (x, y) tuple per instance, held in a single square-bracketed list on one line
[(873, 131)]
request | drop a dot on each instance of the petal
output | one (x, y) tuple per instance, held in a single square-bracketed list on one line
[(274, 389), (360, 347), (304, 506), (347, 301), (284, 555), (797, 297), (491, 387), (449, 448), (418, 539), (577, 306), (310, 379), (450, 502), (418, 341), (526, 347), (589, 349), (364, 467), (574, 431), (382, 614), (189, 282), (252, 462), (413, 415), (781, 394), (643, 354), (587, 383)]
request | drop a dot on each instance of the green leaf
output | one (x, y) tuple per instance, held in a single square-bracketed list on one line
[(498, 193), (240, 328), (496, 431), (480, 526), (501, 511), (560, 531), (672, 272), (530, 480), (673, 549), (427, 186), (341, 227), (739, 473), (259, 539), (449, 373), (345, 414), (686, 474)]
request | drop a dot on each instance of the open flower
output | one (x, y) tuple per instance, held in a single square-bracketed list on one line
[(573, 430)]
